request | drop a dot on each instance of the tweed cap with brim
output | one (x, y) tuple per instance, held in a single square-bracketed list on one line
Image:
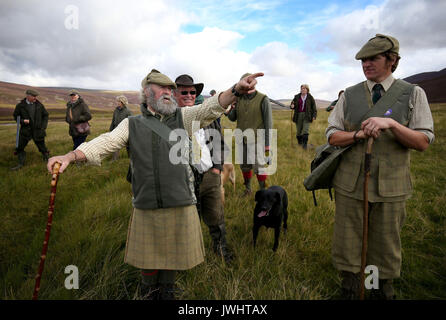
[(158, 78), (186, 80), (31, 92), (73, 92), (379, 44)]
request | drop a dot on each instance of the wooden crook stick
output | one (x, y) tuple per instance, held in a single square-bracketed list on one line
[(54, 178)]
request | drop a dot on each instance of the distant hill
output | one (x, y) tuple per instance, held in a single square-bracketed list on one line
[(55, 98), (433, 83)]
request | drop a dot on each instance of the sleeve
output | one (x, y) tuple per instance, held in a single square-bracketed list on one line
[(421, 118), (313, 103), (16, 112), (86, 115), (336, 118), (67, 115), (232, 115), (107, 143), (45, 117), (267, 118), (112, 122), (204, 113)]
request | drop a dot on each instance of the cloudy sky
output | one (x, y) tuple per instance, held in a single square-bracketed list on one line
[(114, 44)]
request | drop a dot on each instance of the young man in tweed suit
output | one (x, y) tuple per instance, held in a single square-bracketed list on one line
[(164, 232), (397, 115)]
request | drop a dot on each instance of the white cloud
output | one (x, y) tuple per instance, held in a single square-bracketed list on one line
[(119, 42)]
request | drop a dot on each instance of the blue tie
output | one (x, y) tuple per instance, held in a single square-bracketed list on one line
[(376, 92)]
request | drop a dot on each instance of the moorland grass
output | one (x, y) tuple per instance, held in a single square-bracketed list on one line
[(93, 206)]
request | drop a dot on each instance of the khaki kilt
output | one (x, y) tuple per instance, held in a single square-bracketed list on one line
[(384, 245), (168, 239)]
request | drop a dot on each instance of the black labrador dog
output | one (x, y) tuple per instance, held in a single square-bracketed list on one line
[(271, 209)]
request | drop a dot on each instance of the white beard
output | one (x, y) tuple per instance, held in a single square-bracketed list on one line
[(162, 107)]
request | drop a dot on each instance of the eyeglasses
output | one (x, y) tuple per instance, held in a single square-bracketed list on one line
[(185, 93)]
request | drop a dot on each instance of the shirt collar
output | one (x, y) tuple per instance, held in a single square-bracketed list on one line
[(386, 83)]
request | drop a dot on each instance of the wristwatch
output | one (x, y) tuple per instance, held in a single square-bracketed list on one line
[(234, 92)]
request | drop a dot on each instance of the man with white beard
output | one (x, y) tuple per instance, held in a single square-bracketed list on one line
[(164, 233)]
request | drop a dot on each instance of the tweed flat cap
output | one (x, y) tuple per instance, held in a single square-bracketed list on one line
[(379, 44), (73, 92), (157, 77), (31, 92), (187, 81)]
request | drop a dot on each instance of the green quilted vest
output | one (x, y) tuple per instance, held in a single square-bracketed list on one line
[(249, 112), (156, 182), (390, 165)]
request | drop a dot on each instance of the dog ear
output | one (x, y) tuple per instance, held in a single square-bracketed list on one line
[(259, 195), (278, 197)]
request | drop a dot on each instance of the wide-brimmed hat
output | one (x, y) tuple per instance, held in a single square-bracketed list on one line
[(378, 44), (186, 80), (31, 92), (158, 78)]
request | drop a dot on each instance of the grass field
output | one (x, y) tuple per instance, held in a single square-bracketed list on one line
[(93, 206)]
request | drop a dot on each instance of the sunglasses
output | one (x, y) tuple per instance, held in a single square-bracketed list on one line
[(192, 93)]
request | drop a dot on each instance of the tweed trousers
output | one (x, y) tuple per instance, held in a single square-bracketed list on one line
[(210, 199), (302, 125), (384, 244)]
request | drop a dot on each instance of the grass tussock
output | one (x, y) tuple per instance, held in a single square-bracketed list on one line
[(93, 206)]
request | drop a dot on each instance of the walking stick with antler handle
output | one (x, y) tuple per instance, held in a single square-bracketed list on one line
[(55, 175), (365, 221)]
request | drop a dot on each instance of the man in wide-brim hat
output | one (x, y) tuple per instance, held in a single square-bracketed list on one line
[(165, 232), (397, 115), (209, 204)]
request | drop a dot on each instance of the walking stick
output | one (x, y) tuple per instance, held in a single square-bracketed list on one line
[(48, 228), (365, 222)]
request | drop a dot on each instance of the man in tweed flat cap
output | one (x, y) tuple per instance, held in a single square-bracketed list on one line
[(164, 233), (33, 123), (397, 115)]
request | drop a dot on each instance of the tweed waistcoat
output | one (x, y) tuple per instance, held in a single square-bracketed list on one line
[(156, 182), (249, 112), (390, 165)]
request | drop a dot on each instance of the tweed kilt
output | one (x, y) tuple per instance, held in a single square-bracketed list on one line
[(167, 238), (384, 245)]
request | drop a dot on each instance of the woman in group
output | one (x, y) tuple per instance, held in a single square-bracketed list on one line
[(305, 112)]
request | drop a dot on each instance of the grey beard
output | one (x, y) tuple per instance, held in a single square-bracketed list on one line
[(161, 107)]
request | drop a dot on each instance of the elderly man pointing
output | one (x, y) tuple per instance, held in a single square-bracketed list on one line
[(164, 233)]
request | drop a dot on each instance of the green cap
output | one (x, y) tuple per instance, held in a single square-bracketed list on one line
[(31, 92), (379, 44), (73, 92), (158, 78)]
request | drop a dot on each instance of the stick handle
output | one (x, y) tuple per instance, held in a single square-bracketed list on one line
[(54, 178)]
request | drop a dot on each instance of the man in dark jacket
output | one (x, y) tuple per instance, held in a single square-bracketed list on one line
[(209, 204), (304, 113), (121, 112), (77, 112), (33, 123)]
